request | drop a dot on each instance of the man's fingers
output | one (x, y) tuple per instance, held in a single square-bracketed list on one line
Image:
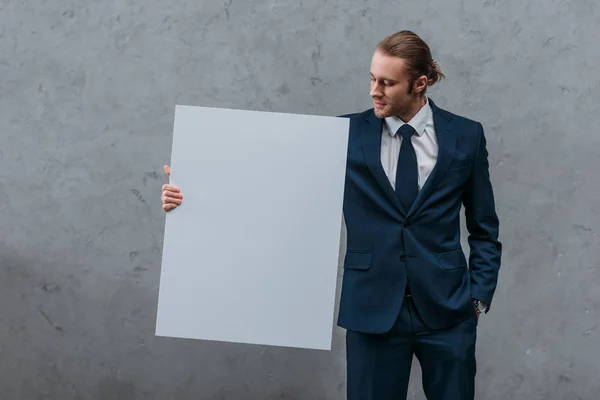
[(170, 188), (173, 195), (168, 207), (171, 198)]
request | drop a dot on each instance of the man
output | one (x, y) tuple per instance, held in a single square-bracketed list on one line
[(407, 287)]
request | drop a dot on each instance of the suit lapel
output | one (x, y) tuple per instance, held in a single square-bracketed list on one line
[(446, 146), (371, 143)]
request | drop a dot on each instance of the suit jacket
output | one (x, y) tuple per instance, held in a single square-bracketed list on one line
[(389, 247)]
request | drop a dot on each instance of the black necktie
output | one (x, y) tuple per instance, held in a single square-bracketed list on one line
[(407, 174)]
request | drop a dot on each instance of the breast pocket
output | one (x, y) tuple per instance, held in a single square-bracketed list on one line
[(458, 164), (457, 173)]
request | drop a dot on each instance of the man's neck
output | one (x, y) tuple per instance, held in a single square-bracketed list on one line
[(414, 109)]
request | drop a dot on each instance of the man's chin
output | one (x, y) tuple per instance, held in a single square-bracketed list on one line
[(381, 112)]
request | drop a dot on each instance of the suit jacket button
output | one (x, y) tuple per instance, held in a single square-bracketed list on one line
[(406, 224), (402, 258)]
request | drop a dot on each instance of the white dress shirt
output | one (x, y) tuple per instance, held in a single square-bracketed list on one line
[(424, 141)]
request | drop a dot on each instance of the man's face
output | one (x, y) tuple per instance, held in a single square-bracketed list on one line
[(390, 86)]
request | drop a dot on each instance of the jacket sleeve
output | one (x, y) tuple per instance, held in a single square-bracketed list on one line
[(483, 226)]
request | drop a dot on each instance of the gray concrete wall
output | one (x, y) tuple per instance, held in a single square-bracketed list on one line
[(87, 94)]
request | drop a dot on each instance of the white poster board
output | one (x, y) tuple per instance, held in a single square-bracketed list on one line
[(251, 256)]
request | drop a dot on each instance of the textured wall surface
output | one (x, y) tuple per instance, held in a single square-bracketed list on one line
[(87, 95)]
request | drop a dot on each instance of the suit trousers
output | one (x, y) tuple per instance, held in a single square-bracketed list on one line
[(378, 365)]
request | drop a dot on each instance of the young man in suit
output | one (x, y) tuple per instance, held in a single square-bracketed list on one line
[(408, 289)]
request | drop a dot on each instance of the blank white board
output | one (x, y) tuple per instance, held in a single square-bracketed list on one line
[(251, 255)]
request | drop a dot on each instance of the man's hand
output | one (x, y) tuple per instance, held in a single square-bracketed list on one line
[(171, 195), (479, 307)]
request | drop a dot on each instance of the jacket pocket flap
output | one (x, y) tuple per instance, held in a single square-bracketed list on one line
[(452, 260), (358, 260)]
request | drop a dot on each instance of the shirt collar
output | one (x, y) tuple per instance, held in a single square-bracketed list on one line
[(418, 122)]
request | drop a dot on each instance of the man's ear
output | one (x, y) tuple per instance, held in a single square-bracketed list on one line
[(420, 84)]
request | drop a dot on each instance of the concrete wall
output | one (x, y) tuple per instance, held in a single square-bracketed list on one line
[(87, 94)]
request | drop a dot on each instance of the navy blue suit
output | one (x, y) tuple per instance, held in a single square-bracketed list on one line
[(390, 248)]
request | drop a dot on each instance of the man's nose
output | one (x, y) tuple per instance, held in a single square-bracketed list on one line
[(376, 91)]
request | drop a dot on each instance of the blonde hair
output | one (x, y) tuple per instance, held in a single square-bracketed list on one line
[(416, 54)]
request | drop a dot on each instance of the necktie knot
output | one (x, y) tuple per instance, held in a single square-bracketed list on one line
[(406, 131)]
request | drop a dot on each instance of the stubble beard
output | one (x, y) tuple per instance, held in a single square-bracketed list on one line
[(385, 112)]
